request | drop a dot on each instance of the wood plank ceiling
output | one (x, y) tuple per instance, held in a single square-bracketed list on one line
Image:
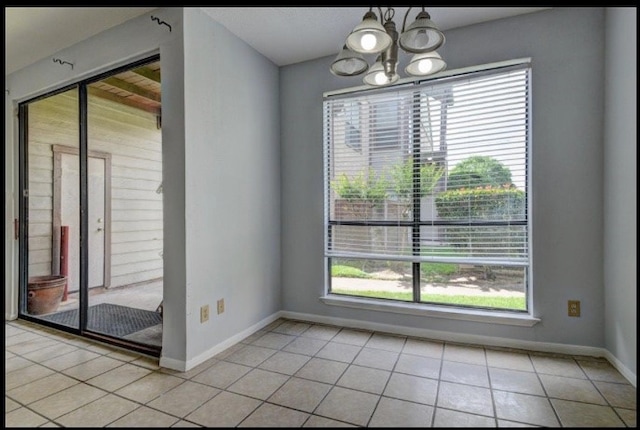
[(139, 88)]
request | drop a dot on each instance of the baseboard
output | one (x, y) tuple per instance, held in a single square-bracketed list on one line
[(183, 366), (624, 370), (467, 338)]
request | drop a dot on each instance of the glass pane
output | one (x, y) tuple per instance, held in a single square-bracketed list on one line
[(382, 279), (125, 208), (497, 242), (53, 209), (492, 287), (368, 148), (370, 240)]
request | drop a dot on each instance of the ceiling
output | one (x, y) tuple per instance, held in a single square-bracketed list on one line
[(138, 87), (34, 33)]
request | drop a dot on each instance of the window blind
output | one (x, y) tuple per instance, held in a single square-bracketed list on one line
[(435, 171)]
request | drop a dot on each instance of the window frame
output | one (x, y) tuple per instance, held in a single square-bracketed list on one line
[(459, 312)]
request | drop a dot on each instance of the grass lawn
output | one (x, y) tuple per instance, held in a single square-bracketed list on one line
[(496, 302), (348, 272), (430, 273)]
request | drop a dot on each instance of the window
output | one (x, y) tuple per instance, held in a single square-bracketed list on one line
[(429, 204)]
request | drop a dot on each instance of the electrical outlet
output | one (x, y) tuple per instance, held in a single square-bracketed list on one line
[(574, 308), (220, 306), (204, 313)]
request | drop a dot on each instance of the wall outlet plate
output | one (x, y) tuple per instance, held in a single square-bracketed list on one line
[(574, 308), (220, 306), (204, 313)]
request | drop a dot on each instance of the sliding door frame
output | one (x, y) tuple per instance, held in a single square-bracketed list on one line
[(23, 211)]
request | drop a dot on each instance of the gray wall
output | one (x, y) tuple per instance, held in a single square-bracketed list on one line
[(174, 342), (232, 190), (566, 47), (620, 186), (10, 209)]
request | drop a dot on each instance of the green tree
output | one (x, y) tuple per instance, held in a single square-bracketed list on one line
[(369, 187), (402, 175), (479, 171), (362, 193)]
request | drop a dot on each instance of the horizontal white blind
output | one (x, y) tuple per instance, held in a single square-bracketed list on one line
[(430, 172)]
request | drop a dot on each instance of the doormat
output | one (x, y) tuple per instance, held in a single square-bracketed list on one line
[(110, 319)]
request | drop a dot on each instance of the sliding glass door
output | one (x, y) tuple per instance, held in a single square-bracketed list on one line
[(91, 225), (50, 204)]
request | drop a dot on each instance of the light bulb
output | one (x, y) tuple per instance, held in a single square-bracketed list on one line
[(421, 38), (368, 41), (350, 66), (425, 66), (380, 78)]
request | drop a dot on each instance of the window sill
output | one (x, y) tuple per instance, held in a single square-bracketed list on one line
[(489, 317)]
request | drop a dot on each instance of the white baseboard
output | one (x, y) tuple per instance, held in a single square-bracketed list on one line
[(183, 366), (468, 338), (624, 370)]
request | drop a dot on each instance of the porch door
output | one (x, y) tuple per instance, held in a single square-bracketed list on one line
[(69, 180)]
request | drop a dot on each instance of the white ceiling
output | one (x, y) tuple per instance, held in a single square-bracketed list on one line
[(285, 35)]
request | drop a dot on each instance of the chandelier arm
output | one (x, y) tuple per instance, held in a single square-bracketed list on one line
[(404, 22), (380, 11), (390, 13)]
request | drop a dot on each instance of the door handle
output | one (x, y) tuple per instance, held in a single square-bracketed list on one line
[(100, 229)]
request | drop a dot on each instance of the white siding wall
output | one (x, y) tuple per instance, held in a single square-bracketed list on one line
[(132, 138), (52, 121)]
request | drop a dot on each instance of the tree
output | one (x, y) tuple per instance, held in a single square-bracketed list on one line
[(479, 171), (371, 188), (402, 175), (362, 193)]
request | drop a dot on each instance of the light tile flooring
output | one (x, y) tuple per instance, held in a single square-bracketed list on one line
[(299, 374)]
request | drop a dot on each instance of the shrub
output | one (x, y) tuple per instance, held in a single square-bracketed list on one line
[(402, 175), (372, 188), (478, 171), (481, 203)]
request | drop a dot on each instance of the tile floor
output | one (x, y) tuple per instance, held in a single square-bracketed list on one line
[(299, 374)]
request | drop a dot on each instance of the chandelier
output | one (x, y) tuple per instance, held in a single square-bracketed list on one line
[(421, 39)]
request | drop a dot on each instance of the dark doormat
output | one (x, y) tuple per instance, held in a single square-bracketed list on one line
[(110, 319)]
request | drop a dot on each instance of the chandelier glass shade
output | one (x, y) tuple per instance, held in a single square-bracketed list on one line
[(369, 37), (376, 75), (349, 63), (421, 38), (425, 64)]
